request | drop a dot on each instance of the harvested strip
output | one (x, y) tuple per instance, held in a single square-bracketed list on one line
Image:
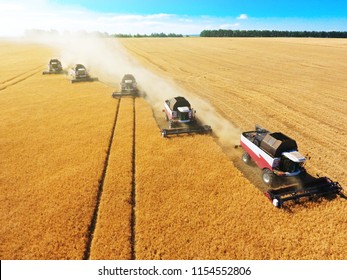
[(113, 229)]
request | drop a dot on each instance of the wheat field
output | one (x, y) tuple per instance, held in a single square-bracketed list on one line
[(53, 138), (192, 203), (296, 86), (86, 176), (113, 229)]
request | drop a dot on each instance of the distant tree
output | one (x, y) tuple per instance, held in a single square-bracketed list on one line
[(272, 33)]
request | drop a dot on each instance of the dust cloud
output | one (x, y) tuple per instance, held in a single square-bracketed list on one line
[(108, 60)]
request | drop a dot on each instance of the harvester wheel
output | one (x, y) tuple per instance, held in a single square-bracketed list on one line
[(246, 158), (267, 176)]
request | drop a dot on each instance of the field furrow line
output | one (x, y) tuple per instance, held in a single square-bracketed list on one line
[(116, 214), (93, 222), (20, 78), (133, 189)]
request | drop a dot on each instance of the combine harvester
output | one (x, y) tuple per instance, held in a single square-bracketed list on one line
[(128, 87), (79, 73), (178, 112), (278, 156), (54, 67)]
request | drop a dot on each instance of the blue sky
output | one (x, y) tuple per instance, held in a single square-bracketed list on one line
[(220, 8), (178, 16)]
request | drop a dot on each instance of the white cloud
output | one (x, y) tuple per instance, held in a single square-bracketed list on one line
[(9, 7), (242, 16), (17, 16)]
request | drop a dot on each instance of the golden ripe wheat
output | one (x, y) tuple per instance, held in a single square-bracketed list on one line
[(296, 86), (176, 198)]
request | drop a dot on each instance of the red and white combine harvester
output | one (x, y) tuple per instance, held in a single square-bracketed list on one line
[(277, 155), (181, 118)]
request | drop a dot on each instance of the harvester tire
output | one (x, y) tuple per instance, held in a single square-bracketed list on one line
[(246, 158), (267, 176)]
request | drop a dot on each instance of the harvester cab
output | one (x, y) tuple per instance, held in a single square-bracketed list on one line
[(128, 87), (128, 83), (54, 67), (79, 73), (178, 112)]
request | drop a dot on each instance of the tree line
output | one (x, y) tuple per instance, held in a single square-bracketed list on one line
[(272, 33)]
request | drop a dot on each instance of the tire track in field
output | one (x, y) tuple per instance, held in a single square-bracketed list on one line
[(133, 190), (93, 222), (20, 78), (105, 222)]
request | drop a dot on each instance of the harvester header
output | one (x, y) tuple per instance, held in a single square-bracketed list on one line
[(317, 188)]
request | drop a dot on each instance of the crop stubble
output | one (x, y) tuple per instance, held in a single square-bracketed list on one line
[(296, 86)]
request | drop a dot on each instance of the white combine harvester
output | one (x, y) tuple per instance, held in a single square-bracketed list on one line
[(54, 67), (128, 87), (181, 118), (79, 73)]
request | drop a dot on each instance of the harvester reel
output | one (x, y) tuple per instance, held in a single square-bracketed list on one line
[(203, 129), (315, 189)]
